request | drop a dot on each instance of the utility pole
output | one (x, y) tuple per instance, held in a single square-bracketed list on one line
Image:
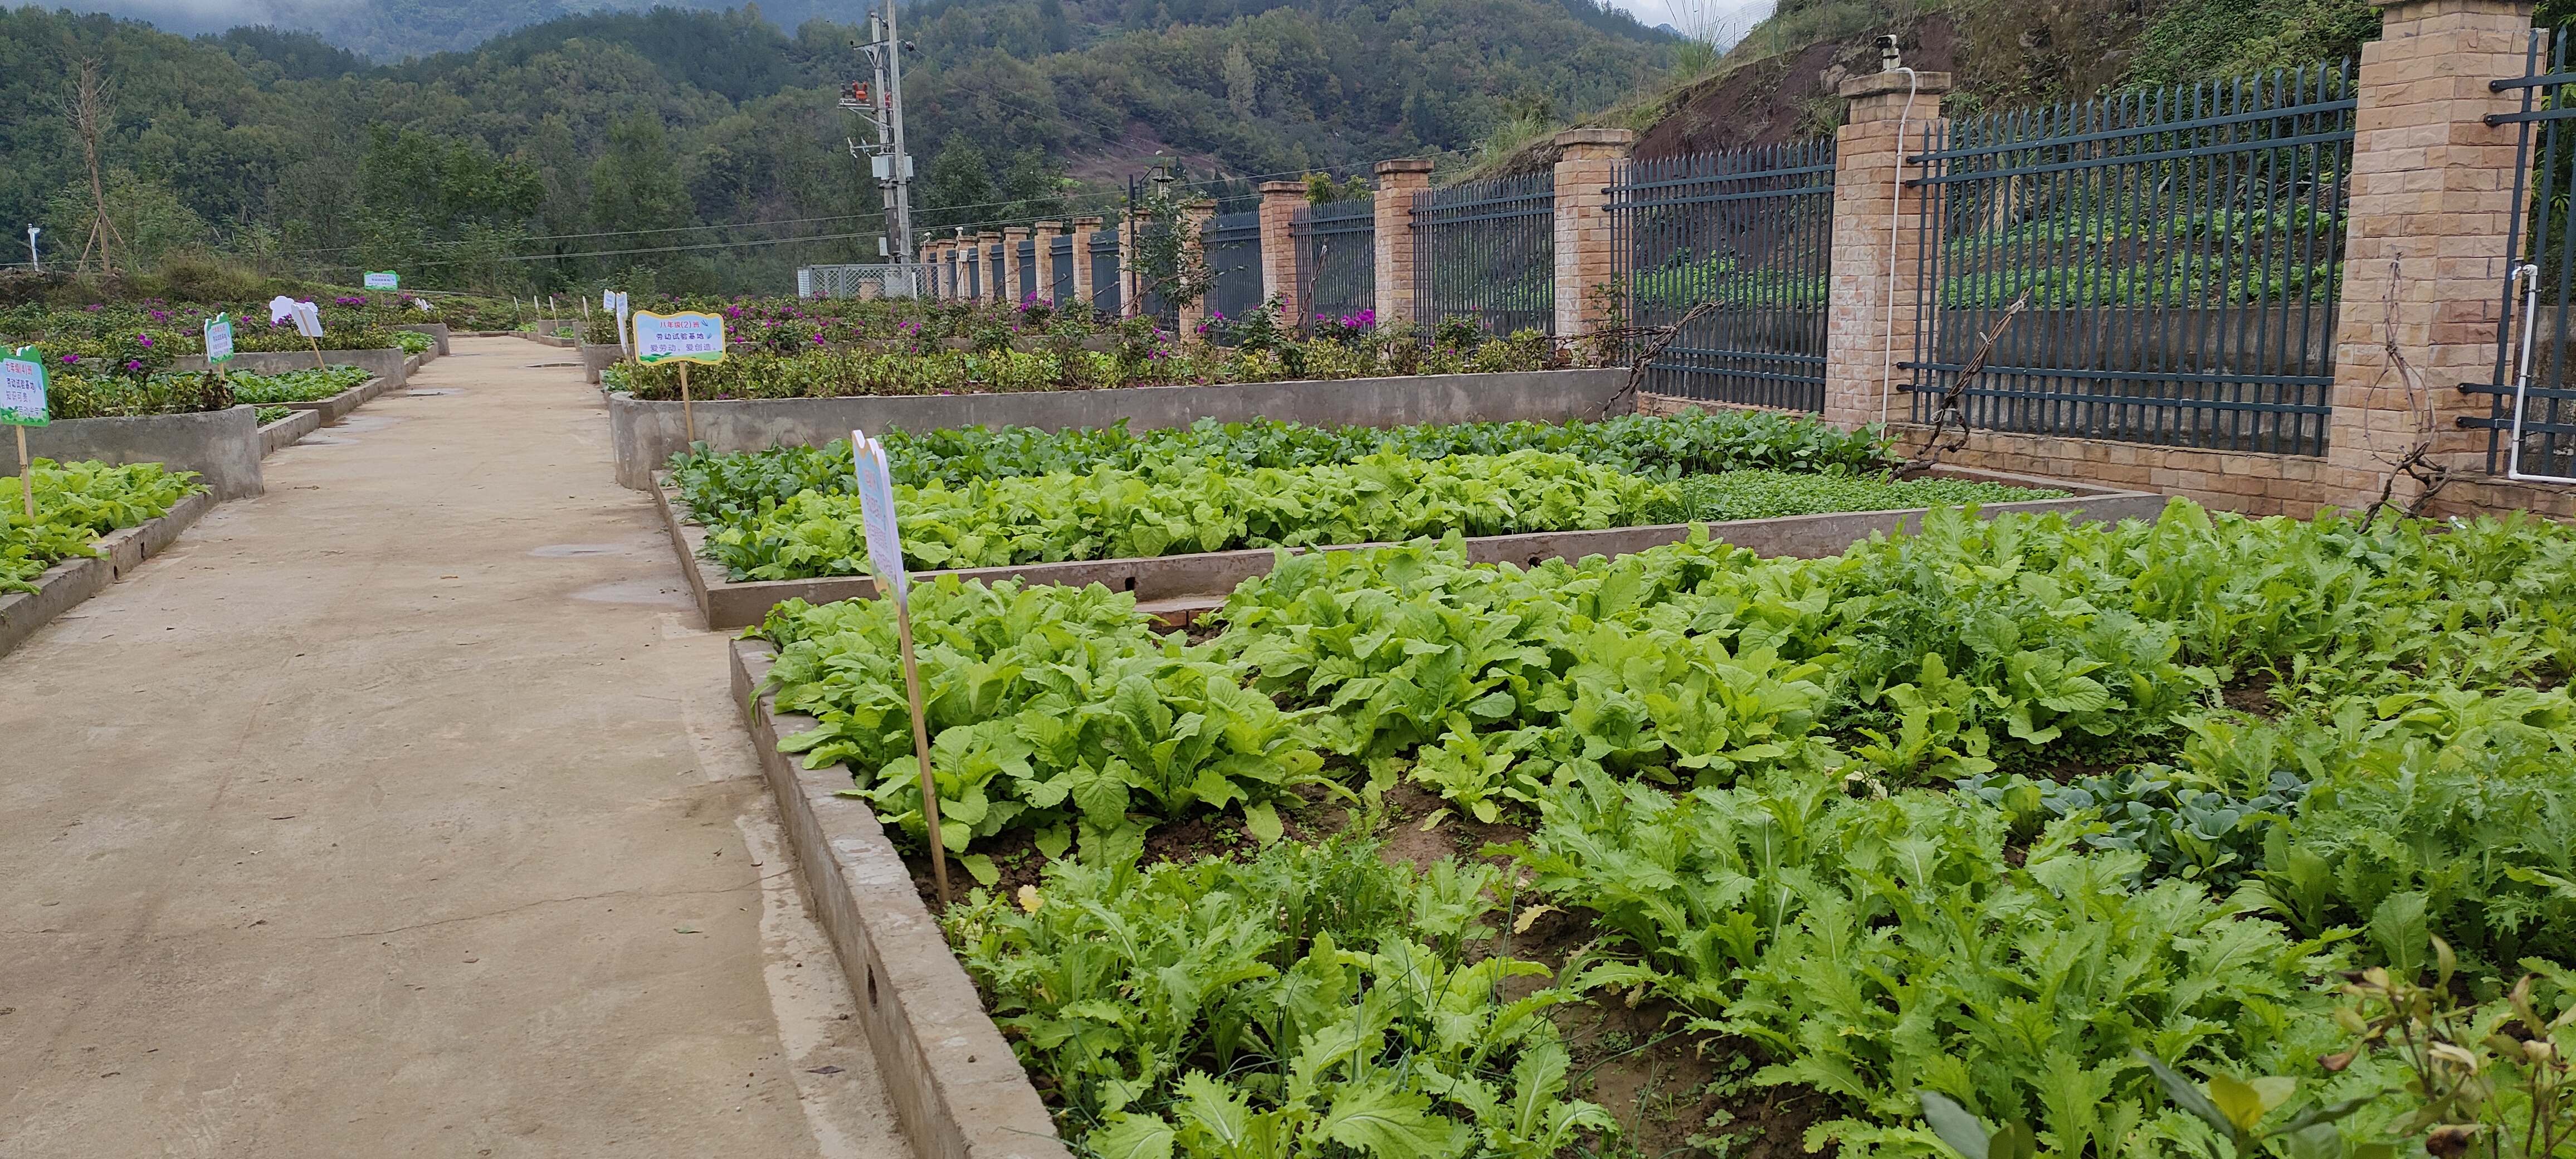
[(880, 100)]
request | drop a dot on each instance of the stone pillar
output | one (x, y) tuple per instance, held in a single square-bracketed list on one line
[(1014, 267), (1588, 162), (1868, 315), (1083, 229), (1279, 203), (1397, 183), (2426, 248), (1194, 218)]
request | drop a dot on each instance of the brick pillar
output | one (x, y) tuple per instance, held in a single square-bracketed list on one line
[(1279, 203), (988, 271), (1866, 312), (1195, 217), (1397, 182), (1044, 233), (1013, 266), (1083, 291), (2426, 250), (936, 255), (1588, 161)]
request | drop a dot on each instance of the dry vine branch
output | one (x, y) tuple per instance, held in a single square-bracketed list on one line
[(1657, 338), (1949, 412), (2416, 462)]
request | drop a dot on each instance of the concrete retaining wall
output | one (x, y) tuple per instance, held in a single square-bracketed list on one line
[(958, 1091), (727, 605), (436, 330), (598, 358), (64, 585), (222, 446), (337, 406), (279, 435), (389, 362), (646, 434)]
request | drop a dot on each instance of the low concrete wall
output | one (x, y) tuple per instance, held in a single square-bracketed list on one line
[(544, 339), (389, 362), (958, 1091), (645, 435), (436, 330), (727, 605), (223, 446), (279, 435), (334, 408), (598, 358), (64, 585)]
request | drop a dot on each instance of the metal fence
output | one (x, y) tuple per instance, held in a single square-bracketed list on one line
[(1336, 258), (1751, 232), (1486, 251), (1231, 245), (2532, 393), (1028, 255), (884, 280), (1060, 266), (1105, 287), (2180, 251)]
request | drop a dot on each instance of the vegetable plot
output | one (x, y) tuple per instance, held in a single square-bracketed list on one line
[(75, 504), (786, 515), (1972, 814)]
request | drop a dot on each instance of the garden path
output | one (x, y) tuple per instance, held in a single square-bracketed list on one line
[(401, 811)]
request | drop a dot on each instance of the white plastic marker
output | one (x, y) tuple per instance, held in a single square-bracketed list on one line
[(683, 338), (22, 405), (308, 322), (885, 558), (280, 309), (616, 300)]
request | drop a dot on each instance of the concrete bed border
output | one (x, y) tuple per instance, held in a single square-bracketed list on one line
[(958, 1090), (338, 406), (283, 433), (724, 604), (63, 586)]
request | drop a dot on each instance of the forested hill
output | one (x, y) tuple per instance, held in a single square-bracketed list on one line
[(620, 130)]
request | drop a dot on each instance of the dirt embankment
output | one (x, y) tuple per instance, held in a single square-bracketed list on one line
[(1788, 97)]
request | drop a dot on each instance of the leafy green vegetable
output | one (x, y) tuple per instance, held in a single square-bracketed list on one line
[(1312, 994), (296, 385), (75, 504)]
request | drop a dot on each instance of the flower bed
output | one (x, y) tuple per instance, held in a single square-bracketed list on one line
[(1833, 823)]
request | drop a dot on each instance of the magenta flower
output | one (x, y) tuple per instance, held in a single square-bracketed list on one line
[(145, 339)]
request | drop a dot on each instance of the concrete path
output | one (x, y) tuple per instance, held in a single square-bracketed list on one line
[(401, 811)]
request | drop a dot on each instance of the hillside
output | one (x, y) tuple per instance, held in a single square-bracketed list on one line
[(1779, 83), (628, 131)]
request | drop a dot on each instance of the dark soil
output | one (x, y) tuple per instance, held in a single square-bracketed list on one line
[(2252, 694)]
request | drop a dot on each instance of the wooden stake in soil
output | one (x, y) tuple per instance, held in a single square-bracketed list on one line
[(27, 487), (688, 417), (920, 744)]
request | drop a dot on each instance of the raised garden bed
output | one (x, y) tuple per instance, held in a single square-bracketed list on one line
[(390, 363), (65, 584), (644, 434), (279, 435), (1890, 807), (223, 447), (1187, 582)]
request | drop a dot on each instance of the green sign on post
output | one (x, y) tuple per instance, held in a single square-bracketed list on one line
[(22, 405), (383, 280)]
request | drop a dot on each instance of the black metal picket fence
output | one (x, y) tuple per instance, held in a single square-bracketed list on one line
[(1336, 259), (1106, 286), (2533, 392), (1748, 232), (1060, 269), (1231, 246), (2180, 252), (1486, 250)]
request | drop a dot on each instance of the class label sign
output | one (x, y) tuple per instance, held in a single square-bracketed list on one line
[(219, 338), (22, 389), (383, 280), (684, 337)]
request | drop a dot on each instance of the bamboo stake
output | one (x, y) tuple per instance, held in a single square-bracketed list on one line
[(27, 488), (921, 745), (688, 416)]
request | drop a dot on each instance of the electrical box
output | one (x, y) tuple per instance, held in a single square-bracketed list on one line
[(882, 166)]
